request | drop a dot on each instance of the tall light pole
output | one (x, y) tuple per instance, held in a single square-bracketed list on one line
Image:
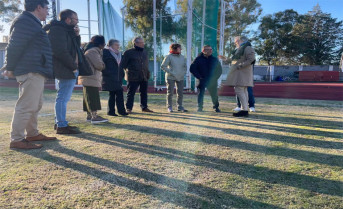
[(189, 41), (123, 23), (58, 8), (203, 23), (222, 30), (155, 44), (222, 27), (89, 20), (100, 17)]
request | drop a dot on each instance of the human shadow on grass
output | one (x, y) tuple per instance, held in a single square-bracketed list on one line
[(253, 124), (269, 118), (179, 192), (296, 121), (247, 133), (270, 176), (306, 115), (303, 155)]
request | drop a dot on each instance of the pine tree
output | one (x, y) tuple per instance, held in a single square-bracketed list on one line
[(321, 37)]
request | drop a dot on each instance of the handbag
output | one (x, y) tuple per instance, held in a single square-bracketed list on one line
[(84, 67)]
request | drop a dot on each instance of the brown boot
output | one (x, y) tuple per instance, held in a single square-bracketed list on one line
[(40, 137), (24, 144), (67, 130)]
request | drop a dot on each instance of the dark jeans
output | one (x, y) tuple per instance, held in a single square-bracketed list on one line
[(213, 93), (116, 98), (131, 91), (251, 98)]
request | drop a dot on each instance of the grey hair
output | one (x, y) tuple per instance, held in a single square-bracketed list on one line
[(242, 38), (112, 41), (135, 40)]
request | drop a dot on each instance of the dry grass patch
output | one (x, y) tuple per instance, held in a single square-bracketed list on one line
[(289, 154)]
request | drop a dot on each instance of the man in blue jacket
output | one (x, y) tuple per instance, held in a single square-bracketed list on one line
[(207, 69), (29, 60)]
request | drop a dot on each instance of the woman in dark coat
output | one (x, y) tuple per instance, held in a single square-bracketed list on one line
[(113, 78)]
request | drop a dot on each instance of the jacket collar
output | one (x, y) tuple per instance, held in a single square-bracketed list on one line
[(202, 55), (29, 14), (138, 48)]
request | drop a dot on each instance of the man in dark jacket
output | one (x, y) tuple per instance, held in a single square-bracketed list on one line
[(29, 59), (65, 42), (207, 69), (135, 62)]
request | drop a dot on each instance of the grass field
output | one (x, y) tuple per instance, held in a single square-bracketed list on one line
[(289, 154)]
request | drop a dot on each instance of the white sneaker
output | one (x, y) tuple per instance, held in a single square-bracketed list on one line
[(237, 109), (252, 109), (170, 109)]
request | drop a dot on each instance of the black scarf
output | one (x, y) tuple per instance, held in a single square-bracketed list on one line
[(238, 53), (139, 48)]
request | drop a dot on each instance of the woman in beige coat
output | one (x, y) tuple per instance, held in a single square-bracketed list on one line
[(91, 84), (241, 72)]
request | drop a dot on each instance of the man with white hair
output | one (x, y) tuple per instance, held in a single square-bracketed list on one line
[(135, 63), (241, 72)]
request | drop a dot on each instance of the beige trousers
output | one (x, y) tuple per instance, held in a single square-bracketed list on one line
[(170, 92), (242, 93), (29, 103)]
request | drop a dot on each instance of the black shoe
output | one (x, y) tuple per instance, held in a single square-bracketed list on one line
[(182, 110), (112, 114), (199, 110), (123, 113), (217, 109), (67, 130), (242, 113), (71, 127)]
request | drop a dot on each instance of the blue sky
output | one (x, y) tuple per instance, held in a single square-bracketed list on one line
[(334, 7)]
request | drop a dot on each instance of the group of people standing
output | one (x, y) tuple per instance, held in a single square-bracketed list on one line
[(35, 53)]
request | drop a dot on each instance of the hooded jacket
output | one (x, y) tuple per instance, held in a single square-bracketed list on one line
[(65, 47)]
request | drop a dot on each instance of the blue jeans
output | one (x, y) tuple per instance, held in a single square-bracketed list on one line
[(64, 92), (251, 98)]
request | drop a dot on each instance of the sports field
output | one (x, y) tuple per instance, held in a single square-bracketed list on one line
[(289, 154)]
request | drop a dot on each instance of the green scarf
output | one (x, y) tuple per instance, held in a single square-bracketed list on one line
[(239, 52)]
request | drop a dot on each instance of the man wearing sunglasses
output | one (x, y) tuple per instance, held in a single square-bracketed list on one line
[(65, 42)]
